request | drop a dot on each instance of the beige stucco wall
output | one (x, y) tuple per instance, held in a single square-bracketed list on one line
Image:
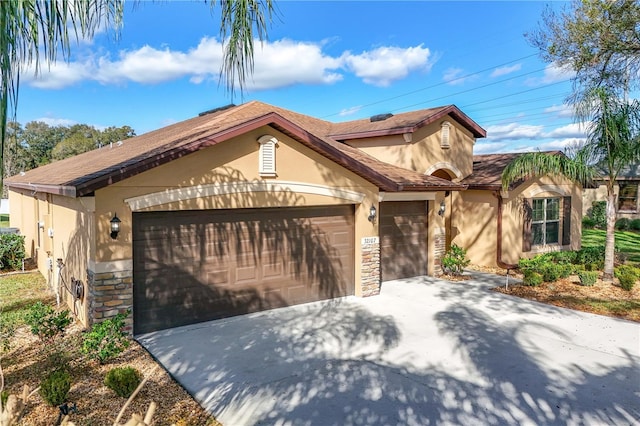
[(66, 234), (476, 213), (600, 194), (424, 153), (233, 163)]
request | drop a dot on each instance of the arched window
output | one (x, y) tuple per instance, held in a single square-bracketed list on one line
[(267, 154)]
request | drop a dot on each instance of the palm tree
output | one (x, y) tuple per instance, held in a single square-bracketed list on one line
[(32, 31), (613, 142)]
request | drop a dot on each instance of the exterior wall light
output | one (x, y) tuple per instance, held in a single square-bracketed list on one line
[(372, 214), (115, 226), (442, 208)]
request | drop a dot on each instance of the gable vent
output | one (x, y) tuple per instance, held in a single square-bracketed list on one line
[(380, 117)]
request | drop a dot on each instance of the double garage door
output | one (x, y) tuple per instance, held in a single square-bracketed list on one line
[(193, 266)]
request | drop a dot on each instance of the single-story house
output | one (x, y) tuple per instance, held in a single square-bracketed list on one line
[(252, 207), (625, 188)]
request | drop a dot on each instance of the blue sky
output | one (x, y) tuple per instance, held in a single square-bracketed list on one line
[(333, 60)]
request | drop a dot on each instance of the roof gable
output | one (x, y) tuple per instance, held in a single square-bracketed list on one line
[(85, 173)]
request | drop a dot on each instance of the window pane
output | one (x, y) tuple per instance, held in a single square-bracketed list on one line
[(551, 236), (553, 209), (628, 197), (538, 210), (537, 234)]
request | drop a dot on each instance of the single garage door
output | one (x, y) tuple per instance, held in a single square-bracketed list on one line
[(193, 266), (403, 239)]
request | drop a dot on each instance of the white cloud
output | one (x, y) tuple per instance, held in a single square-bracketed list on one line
[(454, 76), (505, 70), (349, 111), (383, 65), (560, 111), (488, 147), (552, 74), (573, 130), (513, 131), (56, 121), (277, 64)]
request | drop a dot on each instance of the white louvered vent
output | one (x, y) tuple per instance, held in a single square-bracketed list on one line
[(444, 135), (267, 165)]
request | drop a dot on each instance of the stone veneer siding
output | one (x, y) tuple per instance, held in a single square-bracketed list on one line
[(110, 293), (440, 246), (370, 269)]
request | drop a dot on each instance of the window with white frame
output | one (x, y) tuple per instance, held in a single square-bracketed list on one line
[(267, 166), (545, 221)]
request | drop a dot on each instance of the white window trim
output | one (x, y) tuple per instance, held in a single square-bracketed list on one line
[(545, 221), (268, 146)]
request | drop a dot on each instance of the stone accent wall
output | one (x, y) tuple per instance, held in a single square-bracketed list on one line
[(439, 250), (109, 294), (370, 269)]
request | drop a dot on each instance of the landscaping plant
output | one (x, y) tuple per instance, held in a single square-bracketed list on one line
[(45, 322), (588, 278), (106, 340), (55, 387), (123, 380), (455, 260), (11, 251)]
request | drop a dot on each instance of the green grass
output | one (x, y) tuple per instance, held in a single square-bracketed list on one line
[(18, 292), (628, 242), (4, 220)]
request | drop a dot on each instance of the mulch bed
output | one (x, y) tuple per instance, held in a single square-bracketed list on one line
[(28, 361), (568, 293)]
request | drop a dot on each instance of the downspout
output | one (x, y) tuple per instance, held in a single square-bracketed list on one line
[(499, 261)]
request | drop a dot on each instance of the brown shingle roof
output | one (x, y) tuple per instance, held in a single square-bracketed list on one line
[(407, 122), (84, 173), (487, 170)]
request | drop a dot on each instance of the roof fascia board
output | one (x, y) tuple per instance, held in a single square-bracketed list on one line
[(65, 190)]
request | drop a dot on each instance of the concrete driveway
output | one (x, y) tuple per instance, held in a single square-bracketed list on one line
[(423, 352)]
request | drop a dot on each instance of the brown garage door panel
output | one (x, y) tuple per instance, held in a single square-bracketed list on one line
[(403, 239), (195, 266)]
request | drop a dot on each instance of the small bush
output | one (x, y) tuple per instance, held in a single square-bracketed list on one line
[(623, 224), (634, 225), (627, 281), (592, 267), (598, 213), (626, 269), (11, 251), (106, 340), (123, 380), (588, 255), (532, 278), (550, 272), (455, 260), (45, 322), (563, 257), (55, 387), (588, 223), (588, 278)]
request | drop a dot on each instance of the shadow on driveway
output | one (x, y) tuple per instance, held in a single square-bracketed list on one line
[(423, 352)]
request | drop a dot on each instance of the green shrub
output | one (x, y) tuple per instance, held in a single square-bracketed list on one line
[(533, 264), (563, 257), (565, 269), (45, 322), (123, 380), (11, 251), (588, 223), (626, 269), (598, 213), (455, 260), (623, 224), (634, 225), (532, 278), (592, 267), (627, 281), (55, 387), (588, 278), (550, 272), (106, 340), (589, 255)]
